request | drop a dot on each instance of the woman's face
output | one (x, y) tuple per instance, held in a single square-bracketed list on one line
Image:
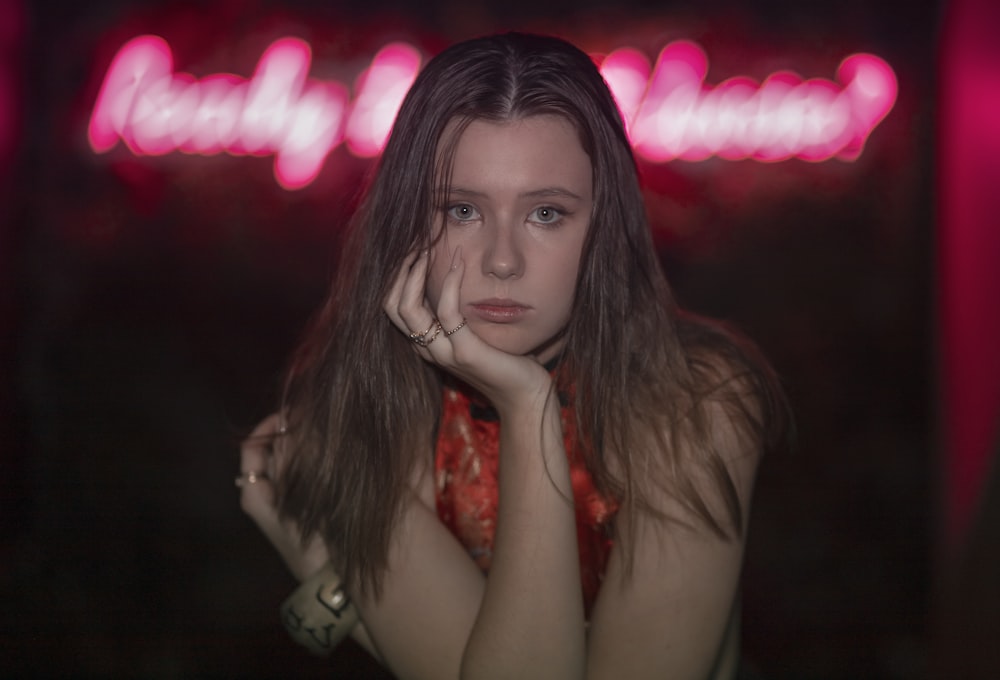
[(518, 205)]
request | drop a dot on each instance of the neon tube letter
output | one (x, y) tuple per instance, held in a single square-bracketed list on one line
[(154, 111), (680, 117)]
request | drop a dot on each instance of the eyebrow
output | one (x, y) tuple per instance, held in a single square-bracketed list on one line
[(537, 193)]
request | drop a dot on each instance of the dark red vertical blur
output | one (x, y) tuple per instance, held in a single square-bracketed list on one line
[(11, 45), (969, 247), (11, 29), (968, 617)]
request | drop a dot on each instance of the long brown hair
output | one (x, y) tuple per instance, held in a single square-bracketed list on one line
[(362, 406)]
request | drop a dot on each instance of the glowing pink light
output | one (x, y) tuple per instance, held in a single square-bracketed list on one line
[(381, 90), (279, 111), (784, 117), (669, 111), (626, 71)]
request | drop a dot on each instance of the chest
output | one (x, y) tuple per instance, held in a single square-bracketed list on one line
[(466, 466)]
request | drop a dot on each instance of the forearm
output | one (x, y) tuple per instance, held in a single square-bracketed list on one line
[(431, 591), (531, 623)]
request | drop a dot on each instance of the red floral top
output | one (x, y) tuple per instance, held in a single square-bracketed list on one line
[(465, 465)]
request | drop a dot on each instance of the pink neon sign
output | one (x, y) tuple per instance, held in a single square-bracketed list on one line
[(278, 111), (671, 113)]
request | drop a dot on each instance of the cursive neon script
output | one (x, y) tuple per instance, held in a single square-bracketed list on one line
[(671, 113), (278, 111), (669, 110)]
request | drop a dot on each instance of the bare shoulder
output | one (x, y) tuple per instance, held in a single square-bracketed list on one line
[(734, 390), (668, 606), (737, 413), (727, 416)]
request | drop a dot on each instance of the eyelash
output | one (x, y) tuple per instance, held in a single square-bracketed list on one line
[(558, 213), (450, 213)]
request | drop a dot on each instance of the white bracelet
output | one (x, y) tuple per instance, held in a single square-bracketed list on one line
[(319, 614)]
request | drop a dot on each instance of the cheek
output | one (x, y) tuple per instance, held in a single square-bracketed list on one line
[(566, 274), (566, 285)]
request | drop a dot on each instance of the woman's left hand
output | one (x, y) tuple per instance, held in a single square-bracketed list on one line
[(507, 380), (260, 465)]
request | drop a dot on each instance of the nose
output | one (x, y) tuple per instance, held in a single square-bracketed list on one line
[(503, 257)]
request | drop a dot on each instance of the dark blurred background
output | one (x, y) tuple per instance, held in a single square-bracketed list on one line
[(148, 306)]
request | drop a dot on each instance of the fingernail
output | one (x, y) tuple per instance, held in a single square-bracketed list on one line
[(456, 258)]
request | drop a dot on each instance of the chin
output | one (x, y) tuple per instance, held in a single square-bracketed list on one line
[(515, 341), (505, 339)]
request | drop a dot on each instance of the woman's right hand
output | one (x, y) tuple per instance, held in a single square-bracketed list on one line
[(507, 380), (260, 465)]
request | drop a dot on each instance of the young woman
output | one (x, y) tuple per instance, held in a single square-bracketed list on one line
[(516, 451)]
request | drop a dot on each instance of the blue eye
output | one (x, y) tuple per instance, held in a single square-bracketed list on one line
[(546, 215), (462, 212)]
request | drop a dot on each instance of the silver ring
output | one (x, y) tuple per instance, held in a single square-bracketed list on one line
[(249, 478)]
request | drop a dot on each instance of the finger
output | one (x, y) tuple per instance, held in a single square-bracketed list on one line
[(257, 499), (256, 462), (412, 309), (391, 303), (256, 451), (268, 427), (449, 304), (258, 468)]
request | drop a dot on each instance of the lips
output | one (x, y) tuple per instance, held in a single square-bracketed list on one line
[(497, 310)]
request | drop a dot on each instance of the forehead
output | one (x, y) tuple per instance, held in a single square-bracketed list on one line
[(525, 154)]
